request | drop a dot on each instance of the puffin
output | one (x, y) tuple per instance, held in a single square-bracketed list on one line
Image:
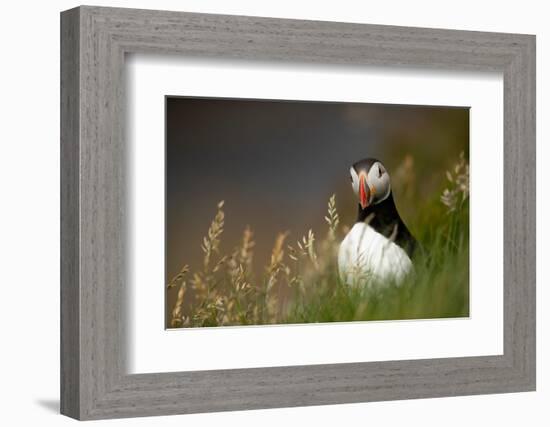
[(379, 247)]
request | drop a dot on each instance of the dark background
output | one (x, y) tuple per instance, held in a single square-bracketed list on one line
[(276, 163)]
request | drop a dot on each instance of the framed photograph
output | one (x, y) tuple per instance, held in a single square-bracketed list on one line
[(316, 232), (262, 213)]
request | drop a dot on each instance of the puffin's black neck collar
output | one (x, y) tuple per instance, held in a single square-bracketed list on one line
[(384, 218)]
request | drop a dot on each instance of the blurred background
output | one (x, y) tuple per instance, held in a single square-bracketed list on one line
[(276, 163)]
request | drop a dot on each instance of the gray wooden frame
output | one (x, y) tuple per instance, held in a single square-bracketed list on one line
[(94, 382)]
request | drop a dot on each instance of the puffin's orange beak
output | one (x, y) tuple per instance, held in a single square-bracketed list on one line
[(364, 191)]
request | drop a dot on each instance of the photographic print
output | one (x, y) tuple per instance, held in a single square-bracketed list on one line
[(286, 212)]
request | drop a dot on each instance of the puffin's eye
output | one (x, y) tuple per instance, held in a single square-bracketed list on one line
[(351, 179), (380, 171)]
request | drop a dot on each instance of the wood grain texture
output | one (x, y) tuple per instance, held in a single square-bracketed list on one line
[(70, 291), (94, 381)]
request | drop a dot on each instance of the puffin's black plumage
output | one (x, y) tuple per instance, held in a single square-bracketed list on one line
[(383, 216)]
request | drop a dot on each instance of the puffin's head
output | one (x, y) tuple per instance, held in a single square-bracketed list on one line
[(370, 182)]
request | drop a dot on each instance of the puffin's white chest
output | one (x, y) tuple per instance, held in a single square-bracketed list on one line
[(366, 256)]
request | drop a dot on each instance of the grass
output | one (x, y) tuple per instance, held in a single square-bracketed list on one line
[(300, 283)]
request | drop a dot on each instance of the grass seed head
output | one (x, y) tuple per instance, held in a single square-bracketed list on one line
[(211, 242), (332, 218), (459, 185), (177, 317)]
